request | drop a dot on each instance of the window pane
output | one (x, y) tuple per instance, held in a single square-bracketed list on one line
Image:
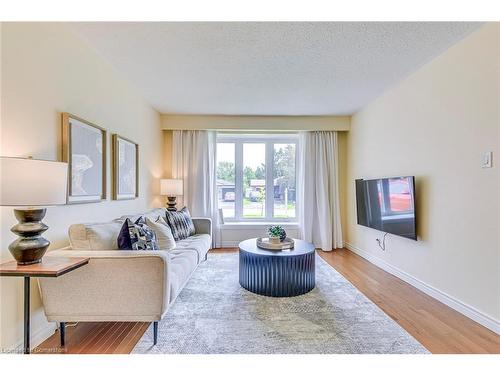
[(284, 180), (254, 180), (225, 178)]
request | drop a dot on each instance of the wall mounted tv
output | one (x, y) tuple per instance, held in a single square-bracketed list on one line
[(388, 205)]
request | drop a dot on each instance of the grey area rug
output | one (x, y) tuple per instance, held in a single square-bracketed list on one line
[(214, 315)]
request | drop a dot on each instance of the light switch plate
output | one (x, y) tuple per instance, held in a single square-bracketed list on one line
[(487, 160)]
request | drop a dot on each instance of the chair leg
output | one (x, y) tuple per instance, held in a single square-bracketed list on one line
[(62, 332), (155, 333)]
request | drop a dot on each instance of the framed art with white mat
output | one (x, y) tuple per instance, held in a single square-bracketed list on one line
[(84, 149), (125, 168)]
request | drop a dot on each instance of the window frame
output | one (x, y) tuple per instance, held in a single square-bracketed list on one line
[(269, 140)]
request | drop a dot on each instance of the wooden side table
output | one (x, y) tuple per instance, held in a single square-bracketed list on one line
[(49, 267)]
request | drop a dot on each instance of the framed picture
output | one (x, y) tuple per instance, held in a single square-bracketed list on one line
[(125, 168), (84, 149)]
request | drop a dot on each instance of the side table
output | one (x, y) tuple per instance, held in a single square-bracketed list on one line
[(48, 267)]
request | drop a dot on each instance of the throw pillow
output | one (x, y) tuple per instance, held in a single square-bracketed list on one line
[(163, 233), (136, 236), (180, 223)]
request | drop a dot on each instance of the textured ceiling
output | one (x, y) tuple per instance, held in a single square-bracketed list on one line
[(242, 68)]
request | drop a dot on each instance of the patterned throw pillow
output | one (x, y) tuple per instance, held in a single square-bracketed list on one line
[(180, 223), (136, 236)]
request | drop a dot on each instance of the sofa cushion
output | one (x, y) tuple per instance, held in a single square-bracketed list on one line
[(136, 236), (163, 233), (201, 243), (182, 264), (94, 236), (180, 223)]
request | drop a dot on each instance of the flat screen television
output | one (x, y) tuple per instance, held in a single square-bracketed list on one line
[(388, 205)]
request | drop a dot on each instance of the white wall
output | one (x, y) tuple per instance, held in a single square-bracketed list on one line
[(435, 125), (47, 70)]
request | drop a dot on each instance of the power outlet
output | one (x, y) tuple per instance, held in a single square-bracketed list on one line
[(487, 160)]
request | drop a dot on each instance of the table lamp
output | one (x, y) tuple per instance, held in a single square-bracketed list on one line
[(171, 188), (30, 183)]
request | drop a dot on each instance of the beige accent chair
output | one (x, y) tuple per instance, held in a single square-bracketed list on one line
[(121, 285)]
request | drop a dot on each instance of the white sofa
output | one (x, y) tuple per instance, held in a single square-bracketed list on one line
[(121, 285)]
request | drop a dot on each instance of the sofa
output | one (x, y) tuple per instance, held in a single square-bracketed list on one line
[(121, 285)]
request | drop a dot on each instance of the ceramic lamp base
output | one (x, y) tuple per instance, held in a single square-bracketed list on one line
[(171, 203), (30, 247)]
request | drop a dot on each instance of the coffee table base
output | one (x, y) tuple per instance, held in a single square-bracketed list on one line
[(276, 276)]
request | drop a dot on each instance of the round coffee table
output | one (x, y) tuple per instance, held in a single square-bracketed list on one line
[(285, 273)]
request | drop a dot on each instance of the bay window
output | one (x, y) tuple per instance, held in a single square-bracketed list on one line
[(256, 177)]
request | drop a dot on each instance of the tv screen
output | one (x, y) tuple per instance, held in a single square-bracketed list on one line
[(388, 205)]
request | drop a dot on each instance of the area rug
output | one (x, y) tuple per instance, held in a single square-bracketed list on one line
[(213, 315)]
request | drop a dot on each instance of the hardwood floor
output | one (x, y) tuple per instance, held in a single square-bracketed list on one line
[(96, 338), (437, 327)]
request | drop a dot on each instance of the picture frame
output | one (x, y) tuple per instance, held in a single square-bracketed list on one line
[(125, 168), (84, 148)]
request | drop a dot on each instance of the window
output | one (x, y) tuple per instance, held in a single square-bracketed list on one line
[(256, 177), (226, 178), (254, 180), (284, 180)]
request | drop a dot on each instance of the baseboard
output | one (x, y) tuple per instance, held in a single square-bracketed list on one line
[(467, 310), (229, 243), (37, 337)]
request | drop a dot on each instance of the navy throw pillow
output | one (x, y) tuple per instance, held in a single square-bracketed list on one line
[(136, 236)]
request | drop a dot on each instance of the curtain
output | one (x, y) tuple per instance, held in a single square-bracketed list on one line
[(319, 206), (193, 161)]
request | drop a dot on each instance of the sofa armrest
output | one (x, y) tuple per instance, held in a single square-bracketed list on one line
[(116, 285), (202, 225)]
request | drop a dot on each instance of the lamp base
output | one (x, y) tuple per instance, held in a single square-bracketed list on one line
[(171, 203), (30, 247)]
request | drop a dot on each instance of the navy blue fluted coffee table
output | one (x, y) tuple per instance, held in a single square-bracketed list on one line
[(273, 273)]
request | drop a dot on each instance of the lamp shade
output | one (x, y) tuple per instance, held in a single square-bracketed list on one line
[(30, 182), (171, 187)]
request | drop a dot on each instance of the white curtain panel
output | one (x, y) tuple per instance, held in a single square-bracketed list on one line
[(193, 161), (319, 203)]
